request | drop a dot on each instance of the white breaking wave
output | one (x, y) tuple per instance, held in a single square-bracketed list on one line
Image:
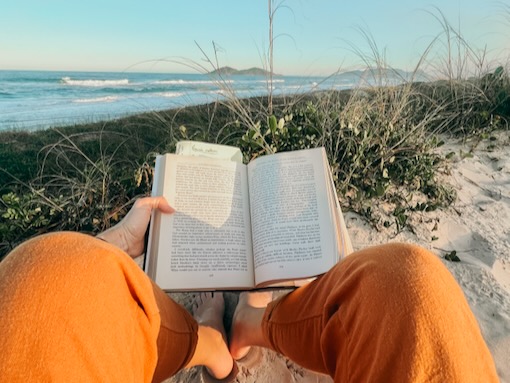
[(289, 87), (266, 81), (97, 99), (94, 83), (169, 94), (345, 85), (192, 82)]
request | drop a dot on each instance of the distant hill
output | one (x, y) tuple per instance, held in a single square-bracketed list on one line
[(229, 71), (388, 73)]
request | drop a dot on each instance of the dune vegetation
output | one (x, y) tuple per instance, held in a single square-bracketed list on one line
[(381, 141)]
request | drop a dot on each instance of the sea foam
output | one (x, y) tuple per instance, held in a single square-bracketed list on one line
[(96, 99), (192, 82), (169, 94), (94, 83)]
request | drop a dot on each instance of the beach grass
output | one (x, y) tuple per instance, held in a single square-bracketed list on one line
[(381, 142)]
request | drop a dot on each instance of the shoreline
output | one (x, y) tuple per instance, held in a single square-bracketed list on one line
[(42, 99)]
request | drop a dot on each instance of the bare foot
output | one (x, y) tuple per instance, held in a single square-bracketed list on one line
[(247, 323), (208, 310), (212, 350)]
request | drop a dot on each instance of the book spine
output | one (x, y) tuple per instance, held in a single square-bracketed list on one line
[(158, 184)]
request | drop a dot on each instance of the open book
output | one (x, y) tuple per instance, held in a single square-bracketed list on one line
[(272, 222)]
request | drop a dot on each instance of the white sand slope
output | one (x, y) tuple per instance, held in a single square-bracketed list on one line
[(480, 233)]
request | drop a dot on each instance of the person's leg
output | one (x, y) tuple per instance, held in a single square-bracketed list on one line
[(246, 328), (177, 339), (75, 308), (390, 313), (211, 349)]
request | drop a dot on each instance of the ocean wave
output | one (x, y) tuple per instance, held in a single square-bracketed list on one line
[(169, 94), (294, 87), (96, 99), (346, 85), (192, 82), (275, 81), (94, 83), (219, 91)]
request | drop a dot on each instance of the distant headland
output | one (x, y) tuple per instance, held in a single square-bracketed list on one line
[(229, 71)]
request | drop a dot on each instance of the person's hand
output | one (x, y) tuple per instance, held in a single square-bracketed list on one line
[(129, 234)]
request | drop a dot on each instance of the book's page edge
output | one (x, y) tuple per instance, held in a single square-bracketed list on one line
[(199, 289), (158, 186), (286, 283), (345, 245)]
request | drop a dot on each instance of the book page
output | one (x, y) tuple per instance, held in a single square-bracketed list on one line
[(206, 243), (293, 225)]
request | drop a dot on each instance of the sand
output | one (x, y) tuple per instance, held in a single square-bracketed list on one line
[(476, 226)]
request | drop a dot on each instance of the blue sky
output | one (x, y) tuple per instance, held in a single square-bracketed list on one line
[(314, 36)]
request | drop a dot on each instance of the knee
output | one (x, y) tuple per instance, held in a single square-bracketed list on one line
[(398, 254), (57, 256), (398, 258), (71, 270), (394, 269), (56, 246), (407, 271), (412, 260)]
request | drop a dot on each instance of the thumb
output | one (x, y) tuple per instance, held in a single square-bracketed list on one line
[(159, 203)]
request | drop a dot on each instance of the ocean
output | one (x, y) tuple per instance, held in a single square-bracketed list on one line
[(40, 99)]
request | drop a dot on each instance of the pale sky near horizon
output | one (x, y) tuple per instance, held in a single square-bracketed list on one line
[(314, 37)]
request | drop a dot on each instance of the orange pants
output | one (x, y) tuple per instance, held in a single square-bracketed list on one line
[(74, 308)]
